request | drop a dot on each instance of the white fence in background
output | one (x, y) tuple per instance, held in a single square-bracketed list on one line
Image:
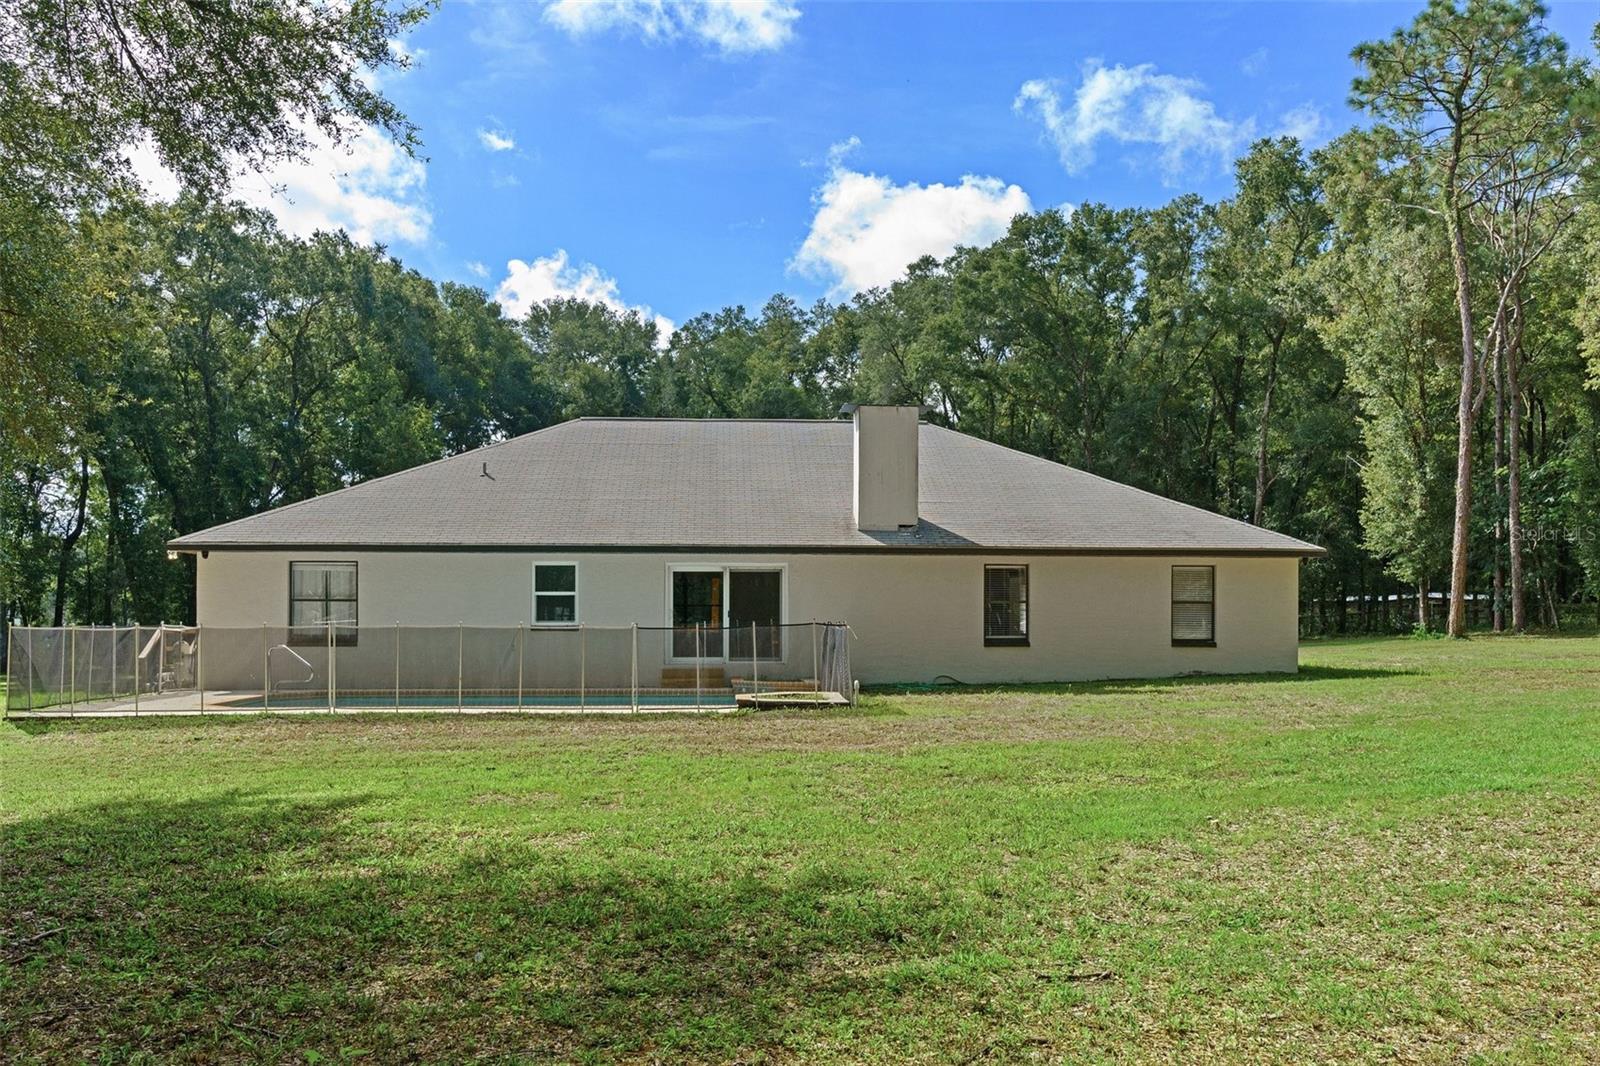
[(110, 670)]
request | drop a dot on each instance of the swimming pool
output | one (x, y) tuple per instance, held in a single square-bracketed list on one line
[(300, 701)]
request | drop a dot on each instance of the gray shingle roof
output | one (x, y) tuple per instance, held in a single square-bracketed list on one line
[(734, 484)]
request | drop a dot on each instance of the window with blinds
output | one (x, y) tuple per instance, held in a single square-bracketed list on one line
[(1005, 605), (322, 595), (1194, 605)]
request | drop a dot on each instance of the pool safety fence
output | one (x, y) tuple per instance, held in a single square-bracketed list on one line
[(66, 671)]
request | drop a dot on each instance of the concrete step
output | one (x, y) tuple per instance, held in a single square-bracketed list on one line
[(685, 677)]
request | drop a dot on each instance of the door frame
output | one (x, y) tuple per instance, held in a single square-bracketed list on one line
[(727, 570)]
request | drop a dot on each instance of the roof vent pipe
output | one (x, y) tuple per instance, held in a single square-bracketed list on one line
[(885, 441)]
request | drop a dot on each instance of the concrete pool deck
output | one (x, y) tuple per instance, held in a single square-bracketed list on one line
[(250, 703)]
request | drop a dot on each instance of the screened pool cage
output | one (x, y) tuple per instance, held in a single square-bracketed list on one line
[(167, 669)]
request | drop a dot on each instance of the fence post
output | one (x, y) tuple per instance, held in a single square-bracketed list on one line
[(583, 668), (200, 665), (816, 670), (72, 651), (266, 670), (161, 656), (635, 667), (699, 651), (755, 667), (136, 671), (331, 679), (522, 640), (397, 666), (61, 682), (460, 646), (11, 671)]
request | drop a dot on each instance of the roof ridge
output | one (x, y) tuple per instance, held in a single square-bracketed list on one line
[(687, 418)]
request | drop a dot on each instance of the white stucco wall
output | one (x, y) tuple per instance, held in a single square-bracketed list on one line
[(914, 618)]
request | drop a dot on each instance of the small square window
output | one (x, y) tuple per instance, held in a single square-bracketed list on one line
[(555, 594), (1005, 605)]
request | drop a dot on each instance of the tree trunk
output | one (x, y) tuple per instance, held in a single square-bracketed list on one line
[(1519, 619), (1258, 512), (70, 541), (1230, 418), (1459, 541), (1553, 612), (1499, 605)]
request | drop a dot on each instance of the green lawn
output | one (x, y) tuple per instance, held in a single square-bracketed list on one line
[(1394, 854)]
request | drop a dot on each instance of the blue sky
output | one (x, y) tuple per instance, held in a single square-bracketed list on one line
[(682, 158)]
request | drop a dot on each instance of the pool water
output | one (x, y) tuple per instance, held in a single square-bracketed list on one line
[(448, 701)]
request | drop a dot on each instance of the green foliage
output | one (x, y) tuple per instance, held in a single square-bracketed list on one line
[(211, 85), (212, 88), (1288, 355), (1390, 313)]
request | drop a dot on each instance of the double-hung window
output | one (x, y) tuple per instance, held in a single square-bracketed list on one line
[(322, 595), (555, 594), (1194, 605), (1005, 605)]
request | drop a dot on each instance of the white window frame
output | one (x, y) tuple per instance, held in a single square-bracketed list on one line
[(726, 570), (354, 628), (577, 586)]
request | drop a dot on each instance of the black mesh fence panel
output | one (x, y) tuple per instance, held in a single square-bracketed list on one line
[(214, 669)]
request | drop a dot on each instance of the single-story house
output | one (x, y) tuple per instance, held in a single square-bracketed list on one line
[(948, 556)]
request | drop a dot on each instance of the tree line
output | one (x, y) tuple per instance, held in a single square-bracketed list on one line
[(1389, 346)]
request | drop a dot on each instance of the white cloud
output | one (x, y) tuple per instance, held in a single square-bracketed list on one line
[(733, 26), (496, 141), (510, 38), (1133, 105), (867, 229), (1254, 63), (369, 187), (1304, 123), (366, 186), (477, 269), (556, 277), (405, 53)]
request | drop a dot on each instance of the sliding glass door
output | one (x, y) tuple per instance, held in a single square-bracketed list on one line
[(714, 608), (697, 614), (755, 610)]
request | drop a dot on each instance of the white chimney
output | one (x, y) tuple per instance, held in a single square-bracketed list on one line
[(885, 466)]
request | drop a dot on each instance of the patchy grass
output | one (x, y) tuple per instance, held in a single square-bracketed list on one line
[(1395, 854)]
